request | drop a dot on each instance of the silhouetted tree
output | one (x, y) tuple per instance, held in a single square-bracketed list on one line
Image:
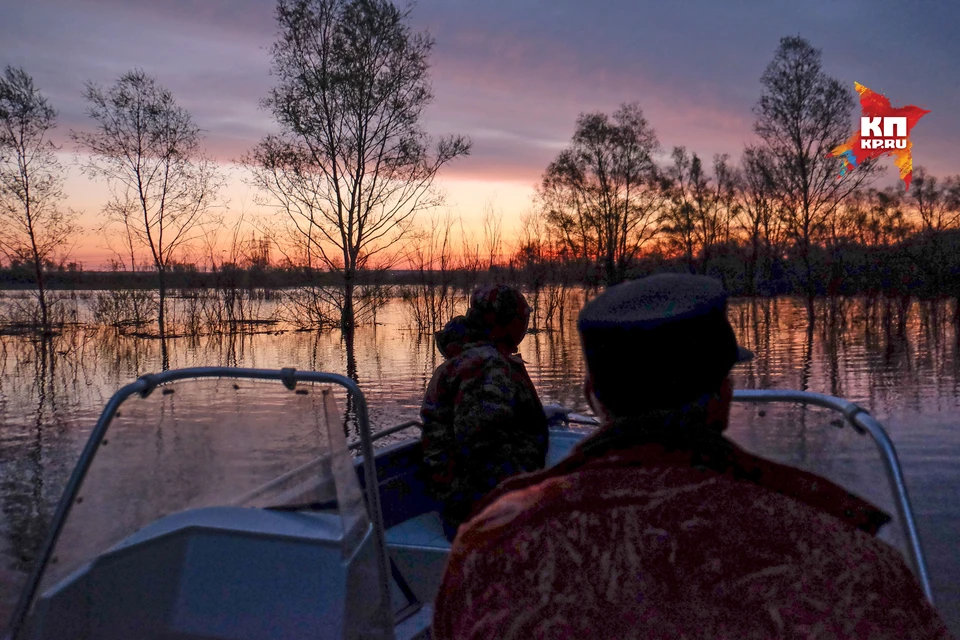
[(492, 234), (936, 205), (758, 216), (34, 228), (351, 167), (602, 194), (679, 223), (802, 115), (698, 214), (878, 217), (163, 188)]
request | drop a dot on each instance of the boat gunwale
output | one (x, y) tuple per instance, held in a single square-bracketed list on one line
[(856, 416)]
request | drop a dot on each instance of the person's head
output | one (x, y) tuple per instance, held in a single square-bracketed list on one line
[(660, 343), (499, 313), (454, 335)]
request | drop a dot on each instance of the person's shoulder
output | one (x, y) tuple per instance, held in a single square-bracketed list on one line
[(738, 545), (546, 501), (815, 491), (480, 357)]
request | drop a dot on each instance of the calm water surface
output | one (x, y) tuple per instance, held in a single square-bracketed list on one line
[(900, 361)]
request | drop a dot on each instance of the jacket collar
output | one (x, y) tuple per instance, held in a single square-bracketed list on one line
[(684, 440)]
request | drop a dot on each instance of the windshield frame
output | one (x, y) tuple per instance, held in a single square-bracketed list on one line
[(144, 386)]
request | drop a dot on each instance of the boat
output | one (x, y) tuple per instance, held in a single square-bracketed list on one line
[(238, 509)]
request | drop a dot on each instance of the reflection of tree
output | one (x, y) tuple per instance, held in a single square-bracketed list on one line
[(833, 330), (350, 418), (806, 370), (32, 471)]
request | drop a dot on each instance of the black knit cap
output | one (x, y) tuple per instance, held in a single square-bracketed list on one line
[(658, 342)]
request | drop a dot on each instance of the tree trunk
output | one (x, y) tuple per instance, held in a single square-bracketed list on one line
[(161, 318), (610, 267), (347, 319), (808, 284), (42, 296), (752, 266)]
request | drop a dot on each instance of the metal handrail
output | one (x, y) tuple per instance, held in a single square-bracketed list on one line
[(859, 419), (144, 385), (389, 431), (862, 422)]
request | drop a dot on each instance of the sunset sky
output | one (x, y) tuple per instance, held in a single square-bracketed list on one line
[(511, 74)]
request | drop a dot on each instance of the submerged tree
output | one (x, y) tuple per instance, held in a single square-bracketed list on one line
[(802, 115), (758, 216), (163, 188), (351, 166), (34, 228), (602, 194), (936, 204), (701, 207)]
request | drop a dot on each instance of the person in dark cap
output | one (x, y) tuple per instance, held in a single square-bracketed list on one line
[(657, 526), (482, 418)]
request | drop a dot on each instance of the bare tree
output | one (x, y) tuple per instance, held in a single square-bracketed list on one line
[(701, 207), (937, 202), (163, 188), (492, 234), (34, 228), (430, 301), (758, 218), (602, 194), (351, 167), (679, 221), (802, 115)]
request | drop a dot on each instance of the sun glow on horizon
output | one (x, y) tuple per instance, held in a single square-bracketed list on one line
[(466, 202)]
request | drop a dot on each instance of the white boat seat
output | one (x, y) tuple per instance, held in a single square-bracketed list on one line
[(419, 549)]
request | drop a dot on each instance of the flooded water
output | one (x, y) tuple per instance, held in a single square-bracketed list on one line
[(900, 361)]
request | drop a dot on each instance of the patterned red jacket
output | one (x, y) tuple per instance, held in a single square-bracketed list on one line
[(645, 534)]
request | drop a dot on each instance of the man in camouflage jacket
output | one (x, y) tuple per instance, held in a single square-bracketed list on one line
[(482, 419)]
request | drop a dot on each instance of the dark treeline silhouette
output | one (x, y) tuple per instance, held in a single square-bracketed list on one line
[(785, 221), (184, 276), (923, 262), (352, 166)]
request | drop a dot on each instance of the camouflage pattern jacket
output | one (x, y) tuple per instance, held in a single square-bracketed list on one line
[(657, 537), (482, 422)]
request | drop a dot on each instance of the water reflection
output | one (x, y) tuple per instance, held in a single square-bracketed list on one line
[(898, 357)]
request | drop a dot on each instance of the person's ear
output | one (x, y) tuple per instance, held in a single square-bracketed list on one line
[(592, 399), (718, 408)]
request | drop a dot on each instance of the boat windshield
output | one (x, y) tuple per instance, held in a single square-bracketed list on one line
[(820, 441), (211, 442)]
